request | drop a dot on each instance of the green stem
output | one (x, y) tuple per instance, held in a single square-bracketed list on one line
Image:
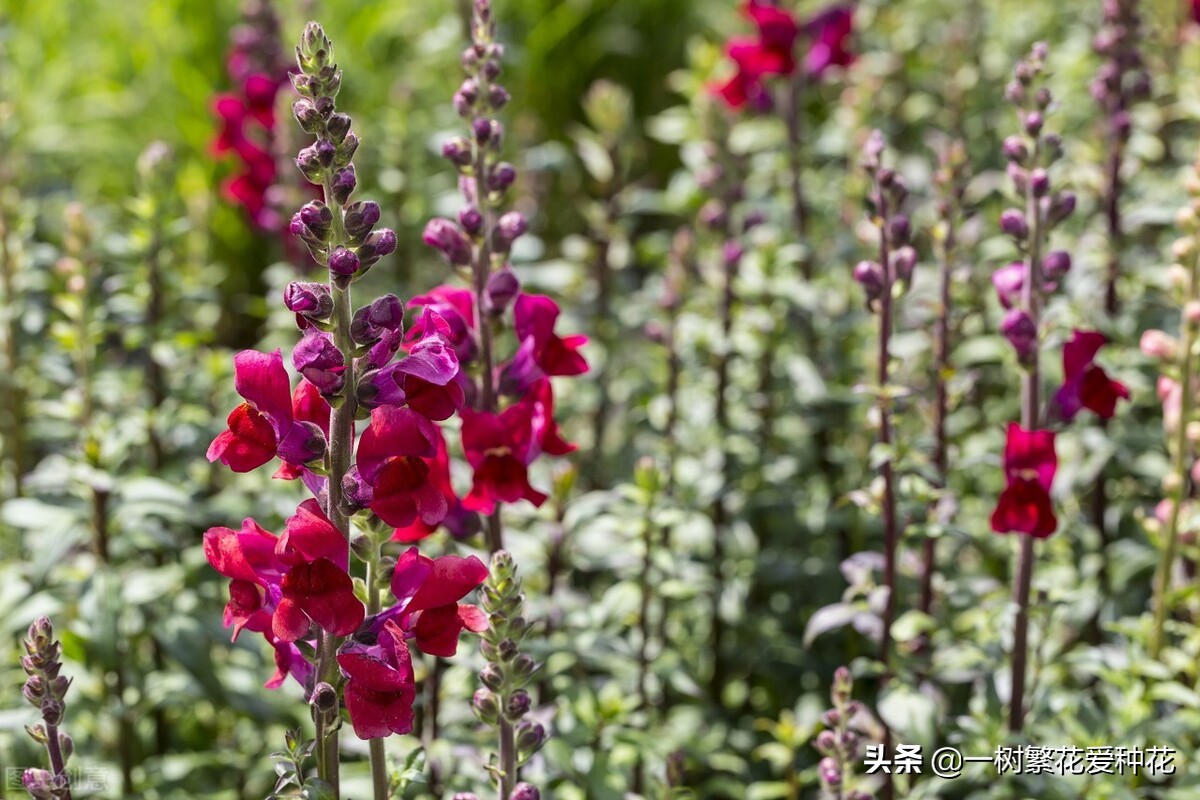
[(1178, 473), (508, 758)]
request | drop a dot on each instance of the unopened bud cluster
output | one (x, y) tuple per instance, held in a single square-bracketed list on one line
[(897, 258), (504, 697), (839, 745), (46, 690), (1030, 156), (482, 236), (343, 238), (1122, 79)]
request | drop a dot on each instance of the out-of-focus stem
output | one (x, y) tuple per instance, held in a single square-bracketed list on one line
[(1179, 471)]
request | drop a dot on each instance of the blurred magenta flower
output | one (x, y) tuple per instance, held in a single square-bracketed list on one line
[(1029, 467), (1085, 384)]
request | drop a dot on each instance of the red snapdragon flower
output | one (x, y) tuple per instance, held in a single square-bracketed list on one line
[(391, 461), (1085, 384), (379, 689), (542, 352), (264, 426), (427, 592), (1029, 466), (458, 520), (500, 448), (773, 50), (281, 584)]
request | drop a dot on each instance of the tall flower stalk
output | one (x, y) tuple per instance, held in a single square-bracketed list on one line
[(46, 689), (883, 280), (1176, 389), (950, 178), (1029, 460), (392, 482)]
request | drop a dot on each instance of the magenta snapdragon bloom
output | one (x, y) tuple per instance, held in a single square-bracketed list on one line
[(1029, 466), (379, 688), (500, 448), (773, 50), (542, 352), (456, 307), (391, 462), (1085, 384), (308, 406), (264, 425), (425, 379), (458, 520), (278, 586), (427, 593)]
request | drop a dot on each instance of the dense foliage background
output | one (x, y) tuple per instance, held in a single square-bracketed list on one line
[(129, 278)]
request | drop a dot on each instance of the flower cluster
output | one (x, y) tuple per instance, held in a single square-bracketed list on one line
[(1122, 79), (825, 39), (258, 69), (1022, 288), (840, 744), (296, 588), (897, 257), (46, 690), (499, 443), (503, 700)]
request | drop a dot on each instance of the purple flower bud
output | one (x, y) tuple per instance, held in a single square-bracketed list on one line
[(1019, 177), (1009, 281), (469, 91), (470, 219), (346, 151), (712, 215), (509, 228), (732, 253), (498, 97), (829, 771), (325, 150), (361, 217), (1059, 207), (530, 737), (870, 276), (1122, 125), (502, 288), (1021, 332), (486, 706), (518, 705), (1012, 222), (482, 129), (826, 742), (1015, 150), (342, 185), (1056, 264), (378, 244), (501, 176), (320, 361), (306, 115), (444, 236), (1043, 98), (371, 321), (338, 126), (343, 262), (1014, 92), (457, 151), (523, 791), (491, 69), (753, 219), (903, 261), (899, 229), (1033, 123), (1039, 182), (462, 105), (492, 676), (312, 300), (357, 493), (309, 164)]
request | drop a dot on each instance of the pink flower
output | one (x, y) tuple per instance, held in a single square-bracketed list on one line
[(1086, 385), (379, 687), (830, 33), (391, 460), (1029, 467), (456, 307), (425, 379), (263, 426), (542, 352)]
